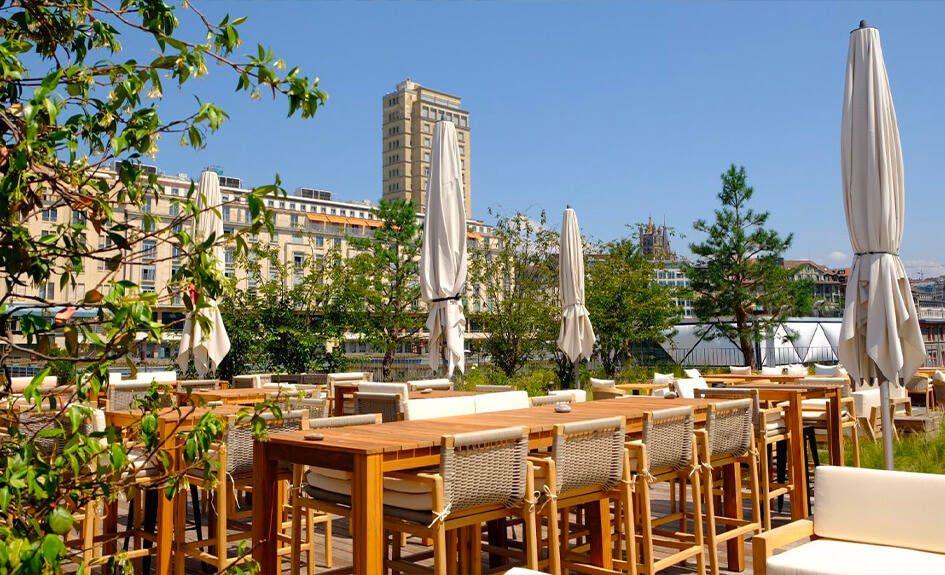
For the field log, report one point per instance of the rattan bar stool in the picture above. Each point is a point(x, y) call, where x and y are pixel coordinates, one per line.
point(483, 475)
point(389, 405)
point(588, 464)
point(234, 469)
point(728, 440)
point(770, 429)
point(304, 499)
point(666, 453)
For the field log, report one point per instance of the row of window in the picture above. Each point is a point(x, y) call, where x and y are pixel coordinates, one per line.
point(435, 114)
point(428, 128)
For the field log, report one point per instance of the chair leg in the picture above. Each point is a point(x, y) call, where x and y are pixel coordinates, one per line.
point(782, 450)
point(530, 537)
point(180, 530)
point(646, 527)
point(554, 535)
point(328, 557)
point(856, 447)
point(440, 551)
point(221, 503)
point(711, 533)
point(697, 522)
point(764, 470)
point(626, 501)
point(150, 525)
point(295, 564)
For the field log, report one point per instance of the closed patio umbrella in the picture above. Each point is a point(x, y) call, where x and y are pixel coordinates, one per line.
point(443, 258)
point(208, 348)
point(880, 335)
point(576, 337)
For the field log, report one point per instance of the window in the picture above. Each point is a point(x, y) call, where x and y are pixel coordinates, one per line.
point(337, 242)
point(319, 241)
point(226, 213)
point(173, 210)
point(78, 218)
point(461, 136)
point(275, 238)
point(148, 274)
point(146, 208)
point(291, 206)
point(48, 291)
point(462, 164)
point(282, 205)
point(176, 252)
point(426, 142)
point(426, 128)
point(148, 250)
point(462, 150)
point(80, 289)
point(270, 203)
point(298, 260)
point(426, 156)
point(334, 211)
point(229, 260)
point(50, 215)
point(294, 220)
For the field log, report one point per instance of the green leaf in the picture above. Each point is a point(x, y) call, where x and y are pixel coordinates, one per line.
point(60, 521)
point(53, 548)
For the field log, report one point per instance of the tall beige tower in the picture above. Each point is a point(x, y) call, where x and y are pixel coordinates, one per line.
point(410, 112)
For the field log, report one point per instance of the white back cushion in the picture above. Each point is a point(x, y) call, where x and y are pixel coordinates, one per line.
point(579, 395)
point(740, 370)
point(796, 369)
point(423, 383)
point(826, 370)
point(19, 384)
point(158, 376)
point(392, 388)
point(502, 401)
point(894, 508)
point(347, 376)
point(663, 378)
point(439, 407)
point(865, 400)
point(602, 383)
point(772, 371)
point(686, 387)
point(692, 373)
point(114, 376)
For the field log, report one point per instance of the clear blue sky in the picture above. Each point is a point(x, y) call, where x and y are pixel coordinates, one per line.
point(624, 110)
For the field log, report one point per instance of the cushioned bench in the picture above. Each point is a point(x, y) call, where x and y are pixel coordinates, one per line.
point(865, 522)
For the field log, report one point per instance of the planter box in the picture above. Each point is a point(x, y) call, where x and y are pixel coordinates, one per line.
point(925, 423)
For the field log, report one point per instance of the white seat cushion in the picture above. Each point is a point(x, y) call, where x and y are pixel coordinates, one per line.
point(831, 557)
point(158, 376)
point(662, 378)
point(772, 371)
point(404, 493)
point(797, 369)
point(740, 370)
point(895, 508)
point(692, 373)
point(439, 407)
point(391, 388)
point(502, 401)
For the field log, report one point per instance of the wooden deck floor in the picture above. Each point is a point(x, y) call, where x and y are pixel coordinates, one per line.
point(342, 545)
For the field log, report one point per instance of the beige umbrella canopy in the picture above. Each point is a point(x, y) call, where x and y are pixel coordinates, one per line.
point(208, 348)
point(880, 335)
point(576, 337)
point(443, 257)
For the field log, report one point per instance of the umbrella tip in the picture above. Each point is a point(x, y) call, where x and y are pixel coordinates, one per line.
point(864, 24)
point(569, 206)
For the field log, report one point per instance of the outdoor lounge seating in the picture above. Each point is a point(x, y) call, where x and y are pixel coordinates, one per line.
point(418, 384)
point(389, 405)
point(866, 521)
point(493, 388)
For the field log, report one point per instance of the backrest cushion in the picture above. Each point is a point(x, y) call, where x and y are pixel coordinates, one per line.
point(158, 376)
point(347, 376)
point(740, 370)
point(502, 401)
point(826, 370)
point(430, 383)
point(439, 407)
point(114, 376)
point(603, 383)
point(772, 371)
point(662, 378)
point(692, 373)
point(579, 395)
point(893, 508)
point(392, 388)
point(686, 387)
point(19, 384)
point(797, 369)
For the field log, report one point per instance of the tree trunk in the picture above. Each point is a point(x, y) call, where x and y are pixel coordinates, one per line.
point(388, 364)
point(748, 350)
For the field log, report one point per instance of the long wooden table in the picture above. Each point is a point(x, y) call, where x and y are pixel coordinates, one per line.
point(794, 395)
point(170, 422)
point(370, 451)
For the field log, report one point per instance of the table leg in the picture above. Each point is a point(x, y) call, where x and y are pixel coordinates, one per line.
point(597, 515)
point(835, 434)
point(266, 509)
point(733, 507)
point(498, 532)
point(165, 508)
point(367, 514)
point(798, 461)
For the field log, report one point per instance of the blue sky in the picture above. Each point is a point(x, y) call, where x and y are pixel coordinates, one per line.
point(623, 110)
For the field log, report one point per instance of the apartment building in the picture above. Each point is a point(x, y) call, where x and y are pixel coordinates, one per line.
point(409, 114)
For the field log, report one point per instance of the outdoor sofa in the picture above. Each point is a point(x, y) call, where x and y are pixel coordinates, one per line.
point(865, 522)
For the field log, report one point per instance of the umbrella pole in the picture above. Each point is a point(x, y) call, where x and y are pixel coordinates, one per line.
point(887, 424)
point(576, 383)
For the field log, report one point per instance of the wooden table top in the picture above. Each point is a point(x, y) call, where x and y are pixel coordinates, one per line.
point(643, 385)
point(727, 377)
point(426, 433)
point(225, 394)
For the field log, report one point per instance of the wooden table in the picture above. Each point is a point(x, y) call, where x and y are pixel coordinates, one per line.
point(170, 422)
point(793, 414)
point(343, 391)
point(371, 450)
point(726, 378)
point(642, 388)
point(237, 396)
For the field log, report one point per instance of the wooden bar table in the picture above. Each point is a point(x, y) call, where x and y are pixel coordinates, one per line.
point(170, 421)
point(642, 388)
point(236, 396)
point(728, 378)
point(794, 395)
point(371, 450)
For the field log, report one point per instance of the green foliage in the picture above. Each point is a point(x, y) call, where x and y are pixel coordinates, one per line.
point(387, 289)
point(63, 369)
point(738, 279)
point(534, 379)
point(77, 118)
point(626, 304)
point(515, 279)
point(802, 290)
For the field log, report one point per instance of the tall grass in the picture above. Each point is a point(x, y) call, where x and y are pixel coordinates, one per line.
point(919, 453)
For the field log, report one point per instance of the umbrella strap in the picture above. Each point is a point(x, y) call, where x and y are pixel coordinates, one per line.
point(876, 254)
point(451, 298)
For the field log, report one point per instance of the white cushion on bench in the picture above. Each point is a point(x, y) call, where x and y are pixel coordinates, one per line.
point(502, 401)
point(831, 557)
point(439, 407)
point(895, 508)
point(579, 395)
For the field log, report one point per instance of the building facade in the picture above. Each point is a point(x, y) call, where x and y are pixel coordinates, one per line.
point(826, 284)
point(409, 114)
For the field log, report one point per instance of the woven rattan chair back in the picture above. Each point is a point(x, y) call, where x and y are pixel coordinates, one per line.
point(389, 405)
point(737, 393)
point(484, 467)
point(667, 435)
point(540, 400)
point(607, 393)
point(29, 424)
point(588, 454)
point(185, 385)
point(345, 421)
point(122, 396)
point(239, 437)
point(729, 426)
point(317, 408)
point(493, 388)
